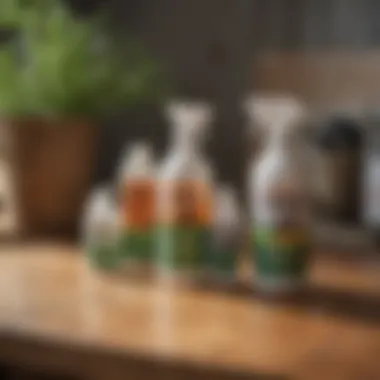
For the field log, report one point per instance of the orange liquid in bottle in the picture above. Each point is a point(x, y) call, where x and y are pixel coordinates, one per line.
point(139, 205)
point(138, 217)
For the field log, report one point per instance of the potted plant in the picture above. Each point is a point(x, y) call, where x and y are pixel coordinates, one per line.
point(59, 75)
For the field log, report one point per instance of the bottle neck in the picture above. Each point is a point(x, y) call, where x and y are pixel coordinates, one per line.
point(287, 146)
point(283, 140)
point(186, 143)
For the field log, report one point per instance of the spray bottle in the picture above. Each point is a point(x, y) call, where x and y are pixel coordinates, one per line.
point(137, 204)
point(185, 194)
point(100, 230)
point(280, 195)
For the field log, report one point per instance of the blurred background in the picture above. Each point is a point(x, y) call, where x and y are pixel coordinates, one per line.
point(323, 51)
point(81, 79)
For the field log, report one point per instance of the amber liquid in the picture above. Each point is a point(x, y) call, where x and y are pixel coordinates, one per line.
point(188, 204)
point(139, 204)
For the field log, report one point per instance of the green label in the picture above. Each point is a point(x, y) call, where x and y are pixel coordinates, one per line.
point(182, 247)
point(137, 245)
point(222, 258)
point(104, 257)
point(281, 252)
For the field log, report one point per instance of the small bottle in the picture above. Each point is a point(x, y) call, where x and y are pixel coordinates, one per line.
point(100, 230)
point(226, 234)
point(280, 190)
point(137, 204)
point(185, 195)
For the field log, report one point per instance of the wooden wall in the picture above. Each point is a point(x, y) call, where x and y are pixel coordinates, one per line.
point(214, 49)
point(325, 79)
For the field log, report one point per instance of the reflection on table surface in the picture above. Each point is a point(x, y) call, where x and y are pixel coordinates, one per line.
point(48, 294)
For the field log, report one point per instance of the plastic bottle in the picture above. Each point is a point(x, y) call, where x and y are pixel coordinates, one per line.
point(185, 195)
point(100, 230)
point(280, 190)
point(137, 204)
point(226, 234)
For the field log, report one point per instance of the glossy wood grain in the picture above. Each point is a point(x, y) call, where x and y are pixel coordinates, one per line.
point(55, 311)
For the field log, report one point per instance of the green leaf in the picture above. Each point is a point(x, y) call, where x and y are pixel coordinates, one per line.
point(61, 65)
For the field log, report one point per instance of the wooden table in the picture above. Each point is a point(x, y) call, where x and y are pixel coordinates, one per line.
point(57, 315)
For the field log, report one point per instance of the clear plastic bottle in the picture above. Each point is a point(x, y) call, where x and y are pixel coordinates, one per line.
point(185, 194)
point(280, 190)
point(137, 204)
point(226, 234)
point(100, 230)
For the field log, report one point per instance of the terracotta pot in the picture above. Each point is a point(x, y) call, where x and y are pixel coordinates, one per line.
point(54, 170)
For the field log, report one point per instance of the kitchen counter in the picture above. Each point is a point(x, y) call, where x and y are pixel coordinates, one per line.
point(59, 316)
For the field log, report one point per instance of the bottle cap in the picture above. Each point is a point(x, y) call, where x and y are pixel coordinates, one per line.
point(99, 210)
point(190, 116)
point(280, 113)
point(137, 161)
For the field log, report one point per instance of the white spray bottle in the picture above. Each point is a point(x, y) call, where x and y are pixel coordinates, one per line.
point(136, 183)
point(100, 230)
point(280, 195)
point(185, 194)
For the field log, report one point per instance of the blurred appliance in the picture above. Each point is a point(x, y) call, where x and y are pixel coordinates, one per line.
point(340, 140)
point(371, 176)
